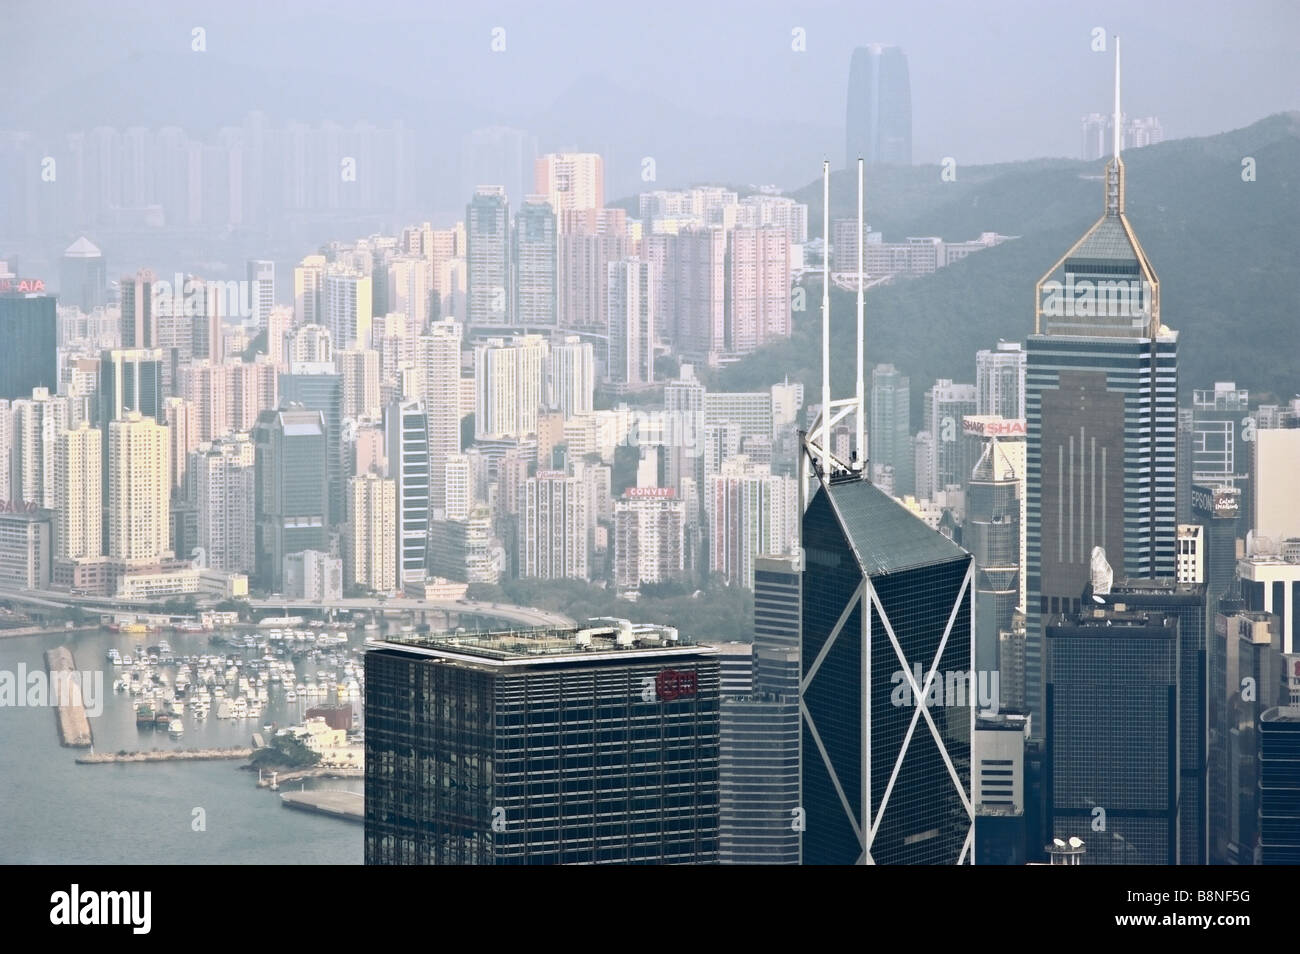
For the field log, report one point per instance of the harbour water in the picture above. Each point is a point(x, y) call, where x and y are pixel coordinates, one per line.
point(54, 811)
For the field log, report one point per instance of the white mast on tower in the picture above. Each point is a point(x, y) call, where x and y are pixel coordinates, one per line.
point(826, 316)
point(861, 444)
point(818, 439)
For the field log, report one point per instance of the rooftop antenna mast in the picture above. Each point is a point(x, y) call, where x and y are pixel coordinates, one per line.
point(860, 461)
point(826, 316)
point(817, 442)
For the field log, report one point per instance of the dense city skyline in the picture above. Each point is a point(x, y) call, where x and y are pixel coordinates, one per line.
point(555, 508)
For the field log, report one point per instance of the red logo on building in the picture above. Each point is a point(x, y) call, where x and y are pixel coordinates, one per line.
point(22, 285)
point(671, 684)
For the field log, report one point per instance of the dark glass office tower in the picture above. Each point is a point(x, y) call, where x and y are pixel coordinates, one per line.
point(1101, 395)
point(879, 123)
point(890, 436)
point(1223, 688)
point(596, 745)
point(760, 731)
point(1112, 734)
point(887, 658)
point(1279, 787)
point(992, 534)
point(1217, 508)
point(776, 626)
point(1254, 645)
point(28, 345)
point(1185, 602)
point(291, 490)
point(319, 389)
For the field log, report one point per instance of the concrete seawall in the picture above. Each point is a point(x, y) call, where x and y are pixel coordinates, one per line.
point(65, 696)
point(347, 805)
point(164, 755)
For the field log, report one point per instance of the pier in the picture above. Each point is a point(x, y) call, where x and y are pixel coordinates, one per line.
point(347, 805)
point(69, 707)
point(165, 755)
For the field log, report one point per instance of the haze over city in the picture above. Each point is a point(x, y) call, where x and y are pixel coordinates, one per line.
point(734, 434)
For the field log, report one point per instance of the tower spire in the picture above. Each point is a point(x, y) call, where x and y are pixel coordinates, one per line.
point(826, 318)
point(1119, 139)
point(1115, 168)
point(861, 445)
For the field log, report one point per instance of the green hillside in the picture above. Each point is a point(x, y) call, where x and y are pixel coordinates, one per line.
point(1227, 253)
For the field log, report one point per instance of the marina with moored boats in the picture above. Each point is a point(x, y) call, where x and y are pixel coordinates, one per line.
point(238, 676)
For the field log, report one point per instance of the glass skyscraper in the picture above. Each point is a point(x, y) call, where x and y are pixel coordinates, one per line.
point(878, 126)
point(1101, 421)
point(1217, 508)
point(291, 489)
point(760, 731)
point(318, 387)
point(1112, 734)
point(1186, 602)
point(888, 679)
point(1279, 789)
point(550, 746)
point(28, 344)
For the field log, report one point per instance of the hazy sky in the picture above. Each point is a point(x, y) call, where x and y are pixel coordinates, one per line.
point(993, 80)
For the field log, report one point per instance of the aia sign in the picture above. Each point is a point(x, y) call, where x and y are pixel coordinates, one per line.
point(671, 684)
point(22, 285)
